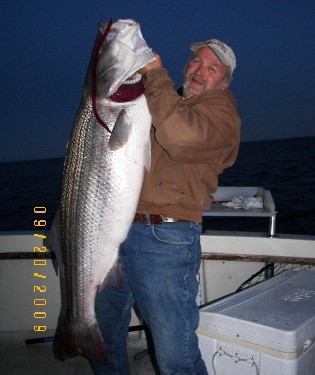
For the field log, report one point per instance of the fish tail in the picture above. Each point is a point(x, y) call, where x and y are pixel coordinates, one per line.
point(81, 340)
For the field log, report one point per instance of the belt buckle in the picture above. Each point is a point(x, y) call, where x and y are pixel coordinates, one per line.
point(154, 219)
point(159, 219)
point(169, 220)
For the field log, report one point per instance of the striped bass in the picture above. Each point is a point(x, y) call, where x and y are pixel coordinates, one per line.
point(107, 152)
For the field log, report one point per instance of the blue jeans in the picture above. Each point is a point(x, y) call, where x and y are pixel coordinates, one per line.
point(159, 265)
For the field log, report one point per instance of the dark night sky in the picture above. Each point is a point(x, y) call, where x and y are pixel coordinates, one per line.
point(46, 45)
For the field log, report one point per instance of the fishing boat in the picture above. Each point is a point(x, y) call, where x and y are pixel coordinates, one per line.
point(231, 261)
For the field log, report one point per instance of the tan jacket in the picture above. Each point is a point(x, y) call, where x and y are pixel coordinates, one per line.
point(193, 140)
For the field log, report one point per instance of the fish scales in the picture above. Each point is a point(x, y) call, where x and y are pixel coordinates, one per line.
point(102, 183)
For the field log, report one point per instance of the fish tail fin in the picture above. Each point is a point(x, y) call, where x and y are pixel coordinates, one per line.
point(81, 340)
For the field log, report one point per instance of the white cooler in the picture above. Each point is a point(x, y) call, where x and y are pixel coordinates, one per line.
point(267, 329)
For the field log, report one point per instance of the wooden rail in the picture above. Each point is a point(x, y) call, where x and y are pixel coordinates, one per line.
point(27, 255)
point(206, 256)
point(257, 258)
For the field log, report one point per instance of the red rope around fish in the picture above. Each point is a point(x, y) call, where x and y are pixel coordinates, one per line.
point(97, 53)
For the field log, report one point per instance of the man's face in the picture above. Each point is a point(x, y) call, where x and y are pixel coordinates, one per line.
point(204, 72)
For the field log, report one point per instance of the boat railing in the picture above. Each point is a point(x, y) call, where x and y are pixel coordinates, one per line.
point(224, 196)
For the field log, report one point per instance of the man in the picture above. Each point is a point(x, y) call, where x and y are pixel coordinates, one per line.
point(194, 138)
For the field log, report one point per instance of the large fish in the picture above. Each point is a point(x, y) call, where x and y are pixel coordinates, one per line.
point(108, 150)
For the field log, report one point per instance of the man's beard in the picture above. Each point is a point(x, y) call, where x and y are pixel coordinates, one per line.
point(188, 82)
point(203, 89)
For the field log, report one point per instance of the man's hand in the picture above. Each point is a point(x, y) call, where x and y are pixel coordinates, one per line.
point(157, 63)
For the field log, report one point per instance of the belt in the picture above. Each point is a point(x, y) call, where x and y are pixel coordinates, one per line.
point(154, 219)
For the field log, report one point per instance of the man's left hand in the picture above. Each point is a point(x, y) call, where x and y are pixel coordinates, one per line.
point(157, 63)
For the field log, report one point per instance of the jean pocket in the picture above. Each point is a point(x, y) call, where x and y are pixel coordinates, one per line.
point(174, 233)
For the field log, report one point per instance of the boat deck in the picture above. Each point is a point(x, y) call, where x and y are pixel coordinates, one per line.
point(17, 358)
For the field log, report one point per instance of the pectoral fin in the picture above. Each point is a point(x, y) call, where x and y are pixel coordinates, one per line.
point(121, 131)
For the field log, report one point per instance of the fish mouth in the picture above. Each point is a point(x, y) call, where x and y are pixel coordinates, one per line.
point(123, 43)
point(135, 78)
point(130, 90)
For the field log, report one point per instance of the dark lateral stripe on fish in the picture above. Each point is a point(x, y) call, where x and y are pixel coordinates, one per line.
point(128, 92)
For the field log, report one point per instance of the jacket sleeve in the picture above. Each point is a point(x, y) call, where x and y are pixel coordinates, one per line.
point(200, 129)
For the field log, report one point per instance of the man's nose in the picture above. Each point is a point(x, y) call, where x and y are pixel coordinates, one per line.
point(200, 70)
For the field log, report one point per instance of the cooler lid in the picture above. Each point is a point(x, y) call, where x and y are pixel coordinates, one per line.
point(278, 313)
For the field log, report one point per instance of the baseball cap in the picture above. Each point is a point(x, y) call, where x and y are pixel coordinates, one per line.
point(222, 51)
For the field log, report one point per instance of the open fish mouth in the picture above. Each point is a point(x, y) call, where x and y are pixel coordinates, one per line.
point(133, 79)
point(123, 55)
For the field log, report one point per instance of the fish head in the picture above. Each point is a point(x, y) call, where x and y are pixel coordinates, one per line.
point(123, 52)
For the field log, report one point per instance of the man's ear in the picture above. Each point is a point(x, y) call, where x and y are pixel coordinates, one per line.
point(225, 84)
